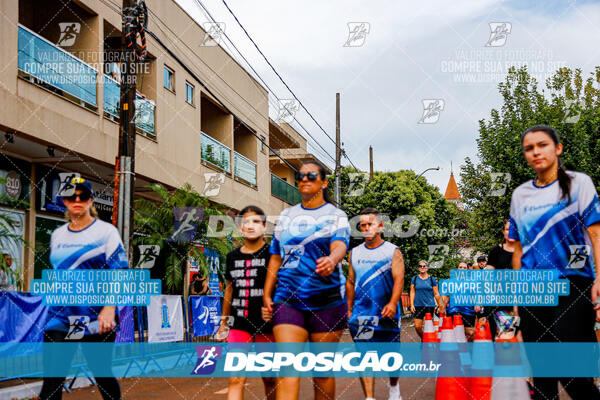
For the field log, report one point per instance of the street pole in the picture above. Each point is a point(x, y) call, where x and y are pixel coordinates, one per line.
point(338, 150)
point(126, 154)
point(370, 164)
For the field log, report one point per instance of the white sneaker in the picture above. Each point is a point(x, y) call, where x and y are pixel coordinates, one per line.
point(394, 392)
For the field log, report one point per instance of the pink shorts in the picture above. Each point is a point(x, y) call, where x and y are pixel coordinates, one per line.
point(239, 336)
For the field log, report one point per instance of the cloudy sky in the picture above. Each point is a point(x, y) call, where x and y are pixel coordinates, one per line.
point(413, 52)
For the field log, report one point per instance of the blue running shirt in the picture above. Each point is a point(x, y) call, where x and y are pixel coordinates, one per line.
point(373, 283)
point(302, 236)
point(552, 232)
point(98, 246)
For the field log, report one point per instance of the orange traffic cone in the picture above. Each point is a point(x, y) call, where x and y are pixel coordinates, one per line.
point(429, 334)
point(480, 387)
point(508, 362)
point(436, 327)
point(463, 347)
point(448, 387)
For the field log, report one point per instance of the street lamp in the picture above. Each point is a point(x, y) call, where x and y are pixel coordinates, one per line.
point(428, 169)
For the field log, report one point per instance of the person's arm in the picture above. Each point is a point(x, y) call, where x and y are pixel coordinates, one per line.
point(594, 233)
point(390, 309)
point(438, 299)
point(116, 259)
point(516, 262)
point(270, 280)
point(226, 311)
point(326, 265)
point(412, 298)
point(350, 286)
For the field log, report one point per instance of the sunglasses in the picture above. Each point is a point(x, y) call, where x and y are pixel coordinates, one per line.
point(312, 175)
point(422, 266)
point(84, 196)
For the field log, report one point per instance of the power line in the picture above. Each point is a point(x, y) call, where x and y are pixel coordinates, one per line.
point(199, 3)
point(282, 81)
point(188, 70)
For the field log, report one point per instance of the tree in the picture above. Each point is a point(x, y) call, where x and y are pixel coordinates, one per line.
point(569, 103)
point(155, 222)
point(415, 214)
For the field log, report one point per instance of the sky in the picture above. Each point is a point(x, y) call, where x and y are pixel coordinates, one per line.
point(412, 55)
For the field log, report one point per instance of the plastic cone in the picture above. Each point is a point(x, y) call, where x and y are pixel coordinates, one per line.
point(448, 387)
point(436, 327)
point(429, 334)
point(430, 347)
point(480, 387)
point(463, 347)
point(508, 361)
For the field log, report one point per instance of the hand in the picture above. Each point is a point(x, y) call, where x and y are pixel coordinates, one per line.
point(442, 309)
point(325, 266)
point(106, 320)
point(413, 309)
point(222, 332)
point(267, 308)
point(596, 298)
point(389, 310)
point(478, 309)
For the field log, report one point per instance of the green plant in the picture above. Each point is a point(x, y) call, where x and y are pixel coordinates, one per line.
point(155, 222)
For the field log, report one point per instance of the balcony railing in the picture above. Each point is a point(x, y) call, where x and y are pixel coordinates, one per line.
point(215, 152)
point(144, 108)
point(244, 168)
point(284, 191)
point(48, 63)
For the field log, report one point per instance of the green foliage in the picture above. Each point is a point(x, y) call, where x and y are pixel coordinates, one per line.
point(431, 218)
point(154, 220)
point(499, 143)
point(6, 226)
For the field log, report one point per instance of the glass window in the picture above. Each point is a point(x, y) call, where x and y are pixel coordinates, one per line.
point(262, 144)
point(189, 93)
point(168, 78)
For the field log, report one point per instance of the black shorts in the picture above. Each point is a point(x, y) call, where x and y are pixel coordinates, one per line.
point(421, 311)
point(468, 320)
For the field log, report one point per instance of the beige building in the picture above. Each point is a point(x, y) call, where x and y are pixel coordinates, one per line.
point(59, 112)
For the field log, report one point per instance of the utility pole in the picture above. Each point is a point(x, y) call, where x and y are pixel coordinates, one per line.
point(338, 150)
point(370, 164)
point(124, 166)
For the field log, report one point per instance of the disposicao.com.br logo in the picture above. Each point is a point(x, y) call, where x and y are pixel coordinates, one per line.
point(322, 362)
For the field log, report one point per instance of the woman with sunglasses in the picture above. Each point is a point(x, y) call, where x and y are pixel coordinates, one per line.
point(85, 242)
point(303, 289)
point(423, 297)
point(554, 218)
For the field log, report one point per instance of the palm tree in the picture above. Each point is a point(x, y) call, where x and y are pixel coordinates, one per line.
point(155, 222)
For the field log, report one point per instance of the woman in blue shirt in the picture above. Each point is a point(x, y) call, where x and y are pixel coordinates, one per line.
point(555, 222)
point(424, 295)
point(303, 288)
point(85, 242)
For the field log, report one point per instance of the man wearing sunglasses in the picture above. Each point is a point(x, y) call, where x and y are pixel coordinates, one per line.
point(85, 242)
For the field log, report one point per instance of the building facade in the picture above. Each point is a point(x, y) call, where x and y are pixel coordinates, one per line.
point(200, 117)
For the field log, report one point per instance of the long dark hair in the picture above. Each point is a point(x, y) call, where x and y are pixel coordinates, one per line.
point(564, 180)
point(323, 175)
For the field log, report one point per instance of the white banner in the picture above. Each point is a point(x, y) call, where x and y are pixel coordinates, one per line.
point(165, 319)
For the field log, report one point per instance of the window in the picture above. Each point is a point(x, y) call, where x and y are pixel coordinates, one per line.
point(262, 144)
point(169, 76)
point(189, 93)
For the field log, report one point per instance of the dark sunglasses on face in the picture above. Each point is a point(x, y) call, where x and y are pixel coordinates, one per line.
point(85, 196)
point(312, 175)
point(422, 266)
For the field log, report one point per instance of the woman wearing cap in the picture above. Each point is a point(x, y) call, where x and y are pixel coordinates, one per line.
point(303, 289)
point(552, 215)
point(424, 296)
point(85, 242)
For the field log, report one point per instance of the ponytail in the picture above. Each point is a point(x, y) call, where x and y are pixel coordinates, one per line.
point(564, 180)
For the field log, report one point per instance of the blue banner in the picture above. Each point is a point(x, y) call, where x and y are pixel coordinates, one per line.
point(22, 317)
point(206, 314)
point(126, 333)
